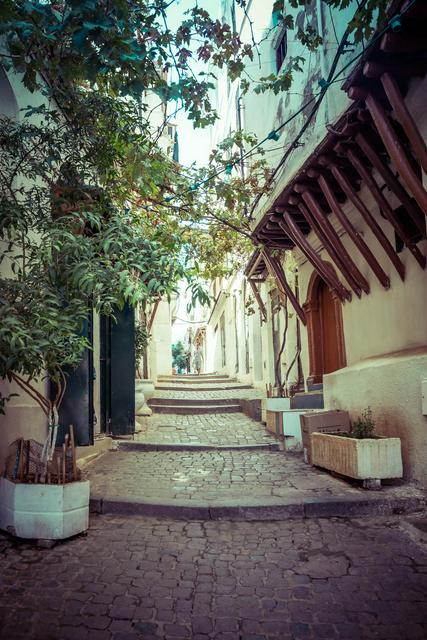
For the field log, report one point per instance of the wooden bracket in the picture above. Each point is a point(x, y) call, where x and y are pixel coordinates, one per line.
point(258, 298)
point(278, 273)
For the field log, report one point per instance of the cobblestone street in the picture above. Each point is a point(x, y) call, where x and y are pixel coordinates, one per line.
point(140, 579)
point(288, 577)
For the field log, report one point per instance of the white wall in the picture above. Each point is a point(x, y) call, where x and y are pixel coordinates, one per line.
point(160, 353)
point(24, 417)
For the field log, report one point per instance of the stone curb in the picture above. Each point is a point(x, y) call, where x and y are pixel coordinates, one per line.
point(184, 446)
point(191, 409)
point(159, 401)
point(198, 388)
point(273, 509)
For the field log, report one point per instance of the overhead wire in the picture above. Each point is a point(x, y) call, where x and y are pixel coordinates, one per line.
point(325, 84)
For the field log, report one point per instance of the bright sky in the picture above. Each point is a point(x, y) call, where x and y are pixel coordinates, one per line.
point(193, 143)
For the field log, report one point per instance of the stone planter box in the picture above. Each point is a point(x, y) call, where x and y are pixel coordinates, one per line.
point(44, 511)
point(372, 458)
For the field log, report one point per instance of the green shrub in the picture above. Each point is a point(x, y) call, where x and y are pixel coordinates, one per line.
point(364, 427)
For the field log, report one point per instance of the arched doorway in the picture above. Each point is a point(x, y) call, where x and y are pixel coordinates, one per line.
point(325, 329)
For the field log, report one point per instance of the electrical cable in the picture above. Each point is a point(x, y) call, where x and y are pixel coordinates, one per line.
point(325, 84)
point(333, 77)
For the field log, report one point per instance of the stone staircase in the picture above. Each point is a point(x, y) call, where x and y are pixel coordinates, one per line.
point(192, 394)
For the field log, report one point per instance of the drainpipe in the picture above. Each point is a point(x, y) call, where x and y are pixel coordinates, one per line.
point(323, 69)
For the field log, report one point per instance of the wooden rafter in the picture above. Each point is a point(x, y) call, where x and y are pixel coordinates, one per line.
point(333, 238)
point(353, 233)
point(329, 248)
point(392, 182)
point(292, 229)
point(405, 118)
point(396, 151)
point(385, 207)
point(277, 272)
point(346, 186)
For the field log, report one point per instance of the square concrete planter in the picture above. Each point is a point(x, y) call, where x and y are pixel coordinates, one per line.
point(371, 458)
point(44, 511)
point(277, 404)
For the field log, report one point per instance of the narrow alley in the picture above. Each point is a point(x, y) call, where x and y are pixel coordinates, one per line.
point(171, 557)
point(213, 336)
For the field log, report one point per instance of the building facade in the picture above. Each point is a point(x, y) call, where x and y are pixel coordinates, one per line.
point(349, 204)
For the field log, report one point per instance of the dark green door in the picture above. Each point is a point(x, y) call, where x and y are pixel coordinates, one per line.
point(77, 405)
point(118, 373)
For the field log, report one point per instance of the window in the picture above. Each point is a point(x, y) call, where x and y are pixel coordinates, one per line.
point(170, 132)
point(281, 50)
point(409, 226)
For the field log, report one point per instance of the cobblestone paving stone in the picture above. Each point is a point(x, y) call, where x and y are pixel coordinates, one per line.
point(215, 429)
point(212, 476)
point(144, 579)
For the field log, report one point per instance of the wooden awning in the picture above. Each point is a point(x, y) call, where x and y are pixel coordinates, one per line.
point(377, 133)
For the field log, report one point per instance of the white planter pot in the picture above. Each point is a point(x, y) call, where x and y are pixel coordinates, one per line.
point(141, 406)
point(277, 404)
point(44, 511)
point(147, 387)
point(375, 458)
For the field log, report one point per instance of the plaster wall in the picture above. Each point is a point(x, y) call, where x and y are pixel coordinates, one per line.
point(277, 108)
point(23, 416)
point(160, 359)
point(391, 386)
point(258, 335)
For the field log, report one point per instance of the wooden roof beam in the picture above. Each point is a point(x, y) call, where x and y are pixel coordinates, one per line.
point(335, 240)
point(330, 248)
point(406, 69)
point(353, 233)
point(392, 182)
point(292, 229)
point(401, 43)
point(396, 152)
point(384, 206)
point(405, 118)
point(369, 219)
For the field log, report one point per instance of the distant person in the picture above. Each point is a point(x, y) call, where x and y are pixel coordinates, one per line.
point(188, 362)
point(197, 361)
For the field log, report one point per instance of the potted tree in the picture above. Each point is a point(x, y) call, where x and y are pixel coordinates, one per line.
point(360, 454)
point(53, 276)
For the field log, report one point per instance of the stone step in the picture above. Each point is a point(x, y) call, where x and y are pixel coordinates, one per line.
point(314, 386)
point(195, 379)
point(267, 509)
point(157, 402)
point(190, 409)
point(193, 387)
point(260, 484)
point(132, 445)
point(308, 400)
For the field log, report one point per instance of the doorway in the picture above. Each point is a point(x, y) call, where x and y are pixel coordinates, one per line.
point(325, 329)
point(118, 372)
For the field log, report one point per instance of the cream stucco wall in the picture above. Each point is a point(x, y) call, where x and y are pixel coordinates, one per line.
point(160, 354)
point(391, 386)
point(24, 417)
